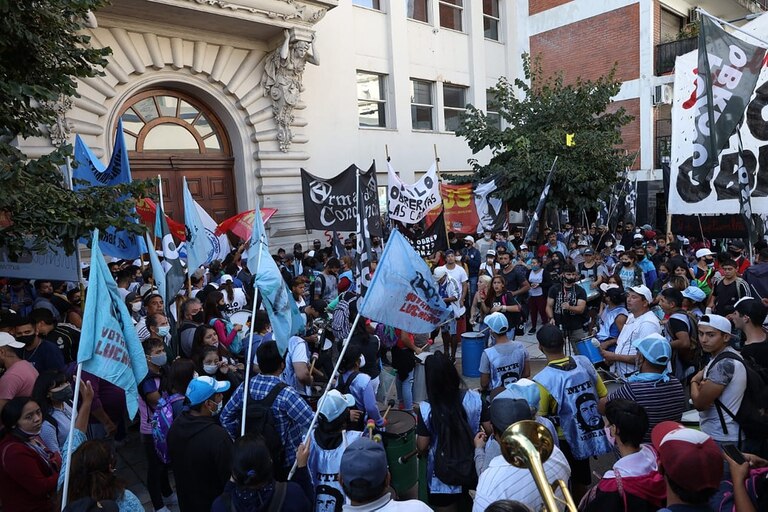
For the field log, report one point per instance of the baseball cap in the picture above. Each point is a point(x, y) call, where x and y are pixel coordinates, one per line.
point(608, 286)
point(202, 388)
point(647, 227)
point(497, 322)
point(524, 389)
point(718, 322)
point(469, 239)
point(9, 318)
point(226, 278)
point(335, 403)
point(523, 246)
point(449, 252)
point(490, 252)
point(619, 248)
point(508, 411)
point(311, 254)
point(6, 340)
point(637, 236)
point(694, 293)
point(363, 464)
point(681, 449)
point(737, 243)
point(701, 253)
point(583, 243)
point(642, 290)
point(440, 272)
point(589, 252)
point(655, 349)
point(316, 241)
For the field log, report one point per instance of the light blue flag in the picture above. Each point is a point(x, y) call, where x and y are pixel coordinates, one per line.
point(120, 244)
point(109, 347)
point(277, 297)
point(158, 272)
point(198, 246)
point(402, 293)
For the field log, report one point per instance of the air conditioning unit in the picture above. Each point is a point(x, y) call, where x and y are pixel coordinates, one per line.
point(663, 94)
point(693, 15)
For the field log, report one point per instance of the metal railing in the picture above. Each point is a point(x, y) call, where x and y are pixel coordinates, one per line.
point(667, 52)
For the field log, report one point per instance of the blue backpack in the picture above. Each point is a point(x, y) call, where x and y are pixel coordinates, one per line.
point(162, 419)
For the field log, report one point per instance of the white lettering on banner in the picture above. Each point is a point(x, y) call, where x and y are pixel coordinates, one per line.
point(719, 192)
point(410, 203)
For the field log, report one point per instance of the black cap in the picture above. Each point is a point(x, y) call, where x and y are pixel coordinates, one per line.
point(507, 411)
point(737, 243)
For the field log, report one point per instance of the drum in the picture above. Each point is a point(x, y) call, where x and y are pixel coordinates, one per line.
point(592, 293)
point(400, 445)
point(691, 419)
point(587, 348)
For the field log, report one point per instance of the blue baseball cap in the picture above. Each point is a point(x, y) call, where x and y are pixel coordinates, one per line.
point(335, 403)
point(497, 322)
point(525, 389)
point(694, 293)
point(655, 349)
point(364, 464)
point(202, 388)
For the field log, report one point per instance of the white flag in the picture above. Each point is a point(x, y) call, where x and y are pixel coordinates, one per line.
point(410, 203)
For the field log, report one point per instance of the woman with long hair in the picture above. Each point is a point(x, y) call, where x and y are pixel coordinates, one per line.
point(451, 412)
point(53, 393)
point(252, 487)
point(205, 336)
point(498, 299)
point(613, 315)
point(629, 271)
point(228, 333)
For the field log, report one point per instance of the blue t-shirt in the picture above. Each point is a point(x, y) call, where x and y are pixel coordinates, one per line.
point(45, 357)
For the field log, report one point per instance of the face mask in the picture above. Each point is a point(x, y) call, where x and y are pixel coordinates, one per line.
point(64, 394)
point(458, 258)
point(571, 280)
point(136, 307)
point(735, 254)
point(26, 339)
point(198, 317)
point(210, 369)
point(626, 263)
point(663, 275)
point(26, 435)
point(534, 267)
point(710, 264)
point(219, 405)
point(163, 330)
point(159, 360)
point(487, 236)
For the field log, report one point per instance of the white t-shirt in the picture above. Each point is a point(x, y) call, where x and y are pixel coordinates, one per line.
point(459, 274)
point(489, 269)
point(297, 353)
point(731, 374)
point(238, 300)
point(635, 329)
point(503, 481)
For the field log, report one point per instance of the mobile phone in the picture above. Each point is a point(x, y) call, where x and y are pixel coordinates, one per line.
point(734, 453)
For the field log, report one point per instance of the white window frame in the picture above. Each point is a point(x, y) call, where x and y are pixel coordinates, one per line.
point(496, 19)
point(383, 93)
point(432, 106)
point(489, 113)
point(447, 108)
point(373, 5)
point(453, 6)
point(427, 11)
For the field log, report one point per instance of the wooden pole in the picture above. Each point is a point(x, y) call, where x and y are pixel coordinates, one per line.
point(440, 181)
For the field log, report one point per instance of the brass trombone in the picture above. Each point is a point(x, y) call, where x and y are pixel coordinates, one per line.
point(527, 444)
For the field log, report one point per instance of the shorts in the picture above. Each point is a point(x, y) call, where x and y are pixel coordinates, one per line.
point(449, 328)
point(580, 470)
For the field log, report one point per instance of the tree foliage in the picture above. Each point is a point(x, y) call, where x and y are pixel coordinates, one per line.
point(539, 111)
point(42, 53)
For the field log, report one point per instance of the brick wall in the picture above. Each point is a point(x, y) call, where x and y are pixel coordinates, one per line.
point(589, 48)
point(536, 6)
point(631, 132)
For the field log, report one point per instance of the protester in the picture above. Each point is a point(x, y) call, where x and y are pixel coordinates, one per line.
point(539, 280)
point(498, 299)
point(253, 486)
point(693, 298)
point(153, 304)
point(54, 394)
point(506, 361)
point(41, 353)
point(756, 276)
point(193, 316)
point(728, 290)
point(748, 316)
point(504, 481)
point(352, 380)
point(450, 291)
point(326, 282)
point(660, 394)
point(629, 272)
point(570, 391)
point(612, 316)
point(230, 335)
point(365, 480)
point(196, 440)
point(451, 414)
point(566, 305)
point(403, 362)
point(476, 311)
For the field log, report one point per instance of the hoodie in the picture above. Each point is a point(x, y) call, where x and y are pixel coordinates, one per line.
point(299, 496)
point(756, 277)
point(201, 459)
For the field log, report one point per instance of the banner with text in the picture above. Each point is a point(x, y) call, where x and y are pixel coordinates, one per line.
point(411, 203)
point(460, 211)
point(427, 241)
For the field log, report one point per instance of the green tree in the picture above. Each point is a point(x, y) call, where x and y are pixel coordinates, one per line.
point(42, 53)
point(539, 112)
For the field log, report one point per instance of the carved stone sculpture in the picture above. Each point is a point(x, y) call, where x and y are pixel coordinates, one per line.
point(60, 131)
point(282, 81)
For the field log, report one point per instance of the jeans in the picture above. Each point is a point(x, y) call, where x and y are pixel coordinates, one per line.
point(472, 292)
point(157, 473)
point(405, 391)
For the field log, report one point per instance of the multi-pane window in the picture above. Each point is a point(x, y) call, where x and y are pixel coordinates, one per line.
point(417, 10)
point(492, 109)
point(454, 104)
point(450, 13)
point(371, 4)
point(491, 19)
point(371, 99)
point(422, 105)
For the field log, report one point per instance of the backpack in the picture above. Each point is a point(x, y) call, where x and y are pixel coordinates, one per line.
point(696, 353)
point(342, 387)
point(723, 499)
point(260, 420)
point(161, 422)
point(752, 416)
point(275, 504)
point(455, 452)
point(237, 342)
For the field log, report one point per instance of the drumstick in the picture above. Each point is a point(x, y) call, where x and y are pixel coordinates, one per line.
point(377, 438)
point(370, 426)
point(314, 360)
point(390, 404)
point(408, 456)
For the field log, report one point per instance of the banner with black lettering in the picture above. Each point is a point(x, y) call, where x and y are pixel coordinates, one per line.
point(410, 203)
point(715, 105)
point(331, 204)
point(427, 241)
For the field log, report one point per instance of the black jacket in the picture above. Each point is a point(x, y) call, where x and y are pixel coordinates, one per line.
point(201, 459)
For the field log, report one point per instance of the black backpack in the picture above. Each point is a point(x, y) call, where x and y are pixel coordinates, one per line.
point(342, 387)
point(259, 420)
point(455, 451)
point(752, 415)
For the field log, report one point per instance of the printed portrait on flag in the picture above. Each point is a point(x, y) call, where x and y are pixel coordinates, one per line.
point(698, 182)
point(491, 211)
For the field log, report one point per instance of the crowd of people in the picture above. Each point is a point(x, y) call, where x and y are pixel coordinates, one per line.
point(655, 358)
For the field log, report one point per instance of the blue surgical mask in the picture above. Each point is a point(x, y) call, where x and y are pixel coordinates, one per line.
point(163, 330)
point(159, 359)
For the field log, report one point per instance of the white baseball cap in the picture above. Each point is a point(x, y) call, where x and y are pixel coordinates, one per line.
point(440, 272)
point(718, 322)
point(702, 253)
point(644, 291)
point(6, 340)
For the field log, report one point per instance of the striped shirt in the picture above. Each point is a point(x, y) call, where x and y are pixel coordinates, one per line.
point(662, 401)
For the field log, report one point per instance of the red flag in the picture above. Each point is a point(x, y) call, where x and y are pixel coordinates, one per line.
point(147, 210)
point(242, 223)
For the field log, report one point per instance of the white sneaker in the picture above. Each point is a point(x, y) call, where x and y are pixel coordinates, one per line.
point(171, 500)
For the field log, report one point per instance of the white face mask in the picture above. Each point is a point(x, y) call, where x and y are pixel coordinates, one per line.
point(136, 306)
point(210, 369)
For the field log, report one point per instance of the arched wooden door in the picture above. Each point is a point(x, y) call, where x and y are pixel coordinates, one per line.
point(175, 135)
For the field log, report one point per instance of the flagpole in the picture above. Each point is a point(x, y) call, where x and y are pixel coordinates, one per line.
point(327, 388)
point(440, 180)
point(386, 151)
point(70, 436)
point(734, 27)
point(249, 361)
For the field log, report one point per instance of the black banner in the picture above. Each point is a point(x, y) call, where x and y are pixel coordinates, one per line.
point(331, 204)
point(427, 241)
